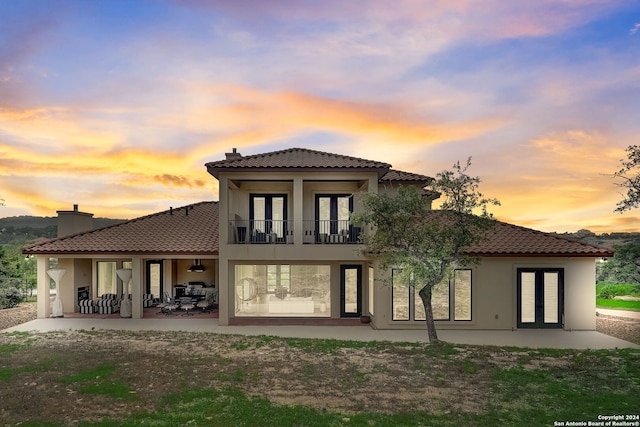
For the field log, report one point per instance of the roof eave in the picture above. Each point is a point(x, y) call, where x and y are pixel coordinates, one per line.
point(124, 253)
point(216, 171)
point(540, 255)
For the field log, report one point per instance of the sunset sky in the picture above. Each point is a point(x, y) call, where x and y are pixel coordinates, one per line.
point(116, 105)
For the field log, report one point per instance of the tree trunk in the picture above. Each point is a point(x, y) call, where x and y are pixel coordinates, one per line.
point(425, 296)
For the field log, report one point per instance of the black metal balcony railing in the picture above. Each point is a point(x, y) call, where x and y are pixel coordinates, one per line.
point(261, 231)
point(330, 232)
point(281, 232)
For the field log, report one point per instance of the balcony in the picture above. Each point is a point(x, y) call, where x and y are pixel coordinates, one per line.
point(280, 232)
point(330, 232)
point(261, 232)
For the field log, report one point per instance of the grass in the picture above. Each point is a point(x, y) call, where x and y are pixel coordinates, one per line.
point(233, 383)
point(97, 381)
point(606, 292)
point(20, 344)
point(618, 304)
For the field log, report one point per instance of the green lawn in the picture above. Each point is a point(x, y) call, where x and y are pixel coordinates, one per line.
point(606, 293)
point(617, 304)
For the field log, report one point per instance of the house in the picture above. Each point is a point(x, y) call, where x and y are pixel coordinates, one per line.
point(278, 247)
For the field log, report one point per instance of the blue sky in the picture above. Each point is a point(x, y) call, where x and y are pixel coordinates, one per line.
point(117, 105)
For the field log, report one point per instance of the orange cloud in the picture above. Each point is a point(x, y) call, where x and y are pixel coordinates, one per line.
point(254, 116)
point(559, 180)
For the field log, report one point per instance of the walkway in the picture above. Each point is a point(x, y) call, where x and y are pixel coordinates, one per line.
point(635, 315)
point(519, 338)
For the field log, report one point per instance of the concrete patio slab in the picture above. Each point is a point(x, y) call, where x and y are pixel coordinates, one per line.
point(519, 338)
point(635, 315)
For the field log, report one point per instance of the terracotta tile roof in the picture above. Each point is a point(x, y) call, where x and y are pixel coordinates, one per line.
point(295, 158)
point(400, 176)
point(176, 233)
point(188, 230)
point(512, 240)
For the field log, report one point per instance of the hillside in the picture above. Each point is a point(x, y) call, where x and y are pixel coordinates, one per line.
point(610, 240)
point(23, 229)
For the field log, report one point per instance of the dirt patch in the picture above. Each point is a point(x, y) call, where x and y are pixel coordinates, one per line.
point(23, 313)
point(153, 364)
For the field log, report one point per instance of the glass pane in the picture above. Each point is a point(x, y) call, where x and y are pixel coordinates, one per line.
point(277, 276)
point(418, 307)
point(350, 290)
point(400, 297)
point(527, 297)
point(283, 290)
point(550, 297)
point(440, 301)
point(107, 284)
point(462, 290)
point(324, 215)
point(272, 279)
point(154, 279)
point(277, 215)
point(259, 214)
point(343, 213)
point(371, 291)
point(285, 274)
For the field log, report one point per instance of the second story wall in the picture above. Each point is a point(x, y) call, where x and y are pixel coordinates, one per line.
point(290, 208)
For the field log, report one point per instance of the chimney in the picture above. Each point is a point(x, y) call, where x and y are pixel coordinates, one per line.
point(233, 155)
point(72, 222)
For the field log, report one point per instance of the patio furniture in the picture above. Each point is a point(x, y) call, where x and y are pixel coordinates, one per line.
point(186, 304)
point(148, 300)
point(168, 306)
point(87, 306)
point(171, 307)
point(107, 304)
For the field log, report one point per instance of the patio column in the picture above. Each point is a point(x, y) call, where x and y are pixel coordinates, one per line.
point(44, 295)
point(137, 288)
point(225, 293)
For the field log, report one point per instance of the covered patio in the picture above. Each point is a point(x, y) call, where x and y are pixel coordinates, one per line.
point(121, 270)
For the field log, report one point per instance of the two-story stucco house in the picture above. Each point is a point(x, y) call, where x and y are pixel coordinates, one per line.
point(278, 247)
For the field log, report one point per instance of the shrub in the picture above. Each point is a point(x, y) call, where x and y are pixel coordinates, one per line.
point(606, 293)
point(10, 297)
point(608, 290)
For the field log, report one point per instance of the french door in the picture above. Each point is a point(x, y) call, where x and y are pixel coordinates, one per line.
point(268, 214)
point(350, 290)
point(155, 279)
point(540, 298)
point(332, 213)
